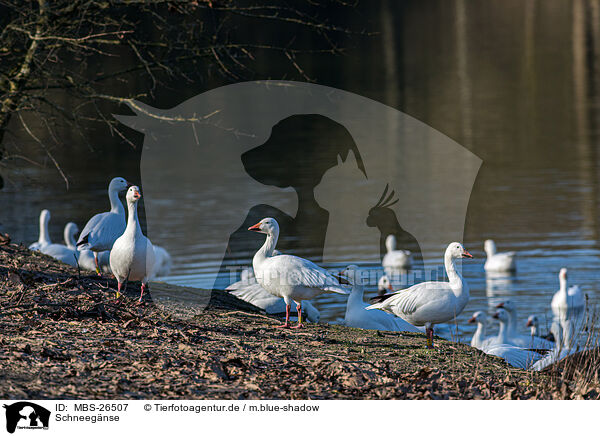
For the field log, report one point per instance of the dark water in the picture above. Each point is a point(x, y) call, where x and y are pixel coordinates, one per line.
point(515, 82)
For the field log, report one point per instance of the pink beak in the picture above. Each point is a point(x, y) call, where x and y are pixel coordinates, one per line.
point(255, 227)
point(467, 254)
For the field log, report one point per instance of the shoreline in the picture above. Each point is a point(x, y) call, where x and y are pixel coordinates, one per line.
point(65, 337)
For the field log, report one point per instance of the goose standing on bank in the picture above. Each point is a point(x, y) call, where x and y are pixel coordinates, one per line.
point(132, 255)
point(514, 337)
point(430, 303)
point(65, 253)
point(103, 229)
point(357, 316)
point(44, 237)
point(290, 277)
point(498, 262)
point(248, 289)
point(395, 259)
point(566, 298)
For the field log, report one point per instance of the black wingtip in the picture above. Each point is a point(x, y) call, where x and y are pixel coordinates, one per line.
point(83, 240)
point(380, 298)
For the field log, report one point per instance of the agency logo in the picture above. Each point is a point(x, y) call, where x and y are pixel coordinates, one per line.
point(25, 415)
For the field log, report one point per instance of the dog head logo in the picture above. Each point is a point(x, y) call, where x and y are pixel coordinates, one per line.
point(26, 415)
point(315, 158)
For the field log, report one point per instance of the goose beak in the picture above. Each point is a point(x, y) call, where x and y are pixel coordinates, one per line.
point(500, 305)
point(467, 254)
point(255, 228)
point(390, 287)
point(137, 195)
point(472, 320)
point(529, 323)
point(496, 315)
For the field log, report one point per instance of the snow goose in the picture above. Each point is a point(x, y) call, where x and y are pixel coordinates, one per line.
point(384, 285)
point(513, 337)
point(103, 229)
point(498, 262)
point(357, 316)
point(290, 277)
point(514, 356)
point(534, 326)
point(395, 259)
point(248, 289)
point(65, 253)
point(163, 262)
point(430, 303)
point(480, 339)
point(132, 255)
point(44, 237)
point(566, 299)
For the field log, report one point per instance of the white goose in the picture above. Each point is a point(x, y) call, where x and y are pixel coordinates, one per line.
point(65, 253)
point(566, 298)
point(357, 316)
point(248, 289)
point(430, 303)
point(132, 255)
point(163, 262)
point(87, 260)
point(534, 327)
point(480, 339)
point(103, 229)
point(514, 337)
point(514, 356)
point(384, 285)
point(290, 277)
point(498, 262)
point(44, 237)
point(395, 259)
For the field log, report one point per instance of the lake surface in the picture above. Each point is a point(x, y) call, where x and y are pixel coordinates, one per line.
point(515, 82)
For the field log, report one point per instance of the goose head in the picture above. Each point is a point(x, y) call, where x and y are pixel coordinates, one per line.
point(267, 226)
point(384, 285)
point(353, 274)
point(390, 243)
point(478, 317)
point(118, 184)
point(489, 247)
point(562, 278)
point(501, 315)
point(456, 250)
point(133, 194)
point(45, 216)
point(507, 305)
point(533, 323)
point(70, 231)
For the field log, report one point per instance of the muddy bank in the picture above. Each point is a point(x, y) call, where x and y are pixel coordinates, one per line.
point(63, 336)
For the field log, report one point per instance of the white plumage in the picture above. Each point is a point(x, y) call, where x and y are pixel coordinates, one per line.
point(513, 355)
point(566, 298)
point(44, 237)
point(163, 262)
point(103, 229)
point(431, 303)
point(498, 262)
point(248, 289)
point(289, 277)
point(357, 315)
point(65, 253)
point(480, 338)
point(513, 337)
point(132, 255)
point(395, 259)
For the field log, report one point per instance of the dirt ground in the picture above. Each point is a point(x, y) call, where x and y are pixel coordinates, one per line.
point(64, 336)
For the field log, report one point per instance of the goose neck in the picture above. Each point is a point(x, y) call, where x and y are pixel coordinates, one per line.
point(480, 333)
point(133, 223)
point(44, 238)
point(502, 333)
point(267, 249)
point(115, 203)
